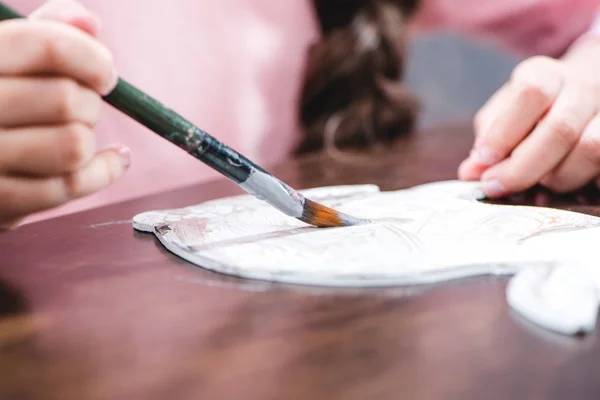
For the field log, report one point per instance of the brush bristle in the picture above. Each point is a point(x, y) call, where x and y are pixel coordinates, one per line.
point(318, 215)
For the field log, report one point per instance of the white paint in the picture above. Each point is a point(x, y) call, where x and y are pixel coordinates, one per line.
point(270, 190)
point(110, 223)
point(561, 298)
point(426, 234)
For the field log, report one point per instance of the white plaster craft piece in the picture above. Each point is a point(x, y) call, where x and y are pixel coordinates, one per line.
point(426, 234)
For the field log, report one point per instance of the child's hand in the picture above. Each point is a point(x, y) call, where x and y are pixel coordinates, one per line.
point(543, 126)
point(52, 73)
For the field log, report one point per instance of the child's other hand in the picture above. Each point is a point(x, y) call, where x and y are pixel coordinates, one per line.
point(543, 126)
point(52, 75)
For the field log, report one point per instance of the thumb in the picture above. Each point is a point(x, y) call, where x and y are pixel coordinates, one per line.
point(70, 12)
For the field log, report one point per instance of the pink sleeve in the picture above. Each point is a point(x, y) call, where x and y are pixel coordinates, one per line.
point(24, 7)
point(528, 27)
point(592, 34)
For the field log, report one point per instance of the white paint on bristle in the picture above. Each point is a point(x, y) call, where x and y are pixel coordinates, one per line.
point(270, 190)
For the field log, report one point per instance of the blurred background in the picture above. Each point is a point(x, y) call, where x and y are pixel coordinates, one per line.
point(454, 76)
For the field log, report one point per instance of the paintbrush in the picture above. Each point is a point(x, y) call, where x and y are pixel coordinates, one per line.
point(248, 175)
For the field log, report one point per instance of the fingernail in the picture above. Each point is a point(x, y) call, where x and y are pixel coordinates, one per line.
point(112, 83)
point(485, 156)
point(11, 225)
point(493, 188)
point(125, 156)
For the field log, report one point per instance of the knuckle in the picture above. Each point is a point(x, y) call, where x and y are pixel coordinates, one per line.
point(538, 79)
point(74, 145)
point(55, 50)
point(563, 130)
point(528, 90)
point(590, 149)
point(72, 186)
point(65, 97)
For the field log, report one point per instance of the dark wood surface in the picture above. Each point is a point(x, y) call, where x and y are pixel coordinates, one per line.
point(89, 309)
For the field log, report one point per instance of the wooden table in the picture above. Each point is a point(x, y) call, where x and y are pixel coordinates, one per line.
point(89, 309)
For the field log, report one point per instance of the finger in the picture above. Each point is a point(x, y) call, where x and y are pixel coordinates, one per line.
point(534, 86)
point(547, 146)
point(469, 170)
point(36, 101)
point(48, 150)
point(22, 196)
point(70, 12)
point(487, 114)
point(582, 165)
point(48, 47)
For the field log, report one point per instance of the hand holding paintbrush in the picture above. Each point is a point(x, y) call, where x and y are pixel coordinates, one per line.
point(223, 159)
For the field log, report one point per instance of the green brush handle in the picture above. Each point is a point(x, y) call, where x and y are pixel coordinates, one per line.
point(7, 13)
point(179, 131)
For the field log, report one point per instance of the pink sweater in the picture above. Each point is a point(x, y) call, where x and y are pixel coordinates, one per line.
point(234, 68)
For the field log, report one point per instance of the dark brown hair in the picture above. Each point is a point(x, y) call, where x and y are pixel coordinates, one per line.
point(353, 95)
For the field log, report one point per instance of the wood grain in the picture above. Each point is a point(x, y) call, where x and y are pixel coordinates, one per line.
point(89, 309)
